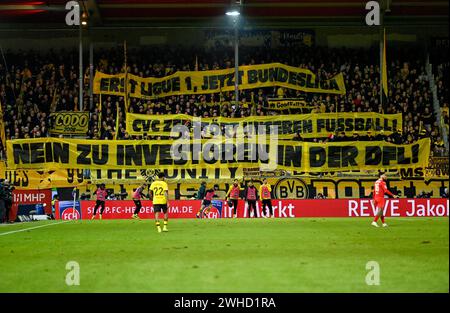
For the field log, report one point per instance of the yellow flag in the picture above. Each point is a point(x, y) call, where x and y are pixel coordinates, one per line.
point(117, 121)
point(2, 129)
point(100, 117)
point(127, 95)
point(384, 69)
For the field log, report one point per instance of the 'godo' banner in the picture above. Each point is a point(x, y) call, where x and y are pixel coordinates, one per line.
point(308, 125)
point(73, 123)
point(204, 82)
point(56, 153)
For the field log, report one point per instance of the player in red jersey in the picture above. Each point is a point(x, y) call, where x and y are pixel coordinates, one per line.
point(207, 204)
point(101, 194)
point(379, 191)
point(233, 196)
point(137, 196)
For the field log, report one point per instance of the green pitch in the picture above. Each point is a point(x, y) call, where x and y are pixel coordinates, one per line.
point(229, 255)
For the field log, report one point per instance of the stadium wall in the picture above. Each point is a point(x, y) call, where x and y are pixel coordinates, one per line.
point(349, 36)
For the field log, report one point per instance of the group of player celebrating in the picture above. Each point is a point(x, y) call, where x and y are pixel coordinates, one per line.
point(158, 193)
point(250, 193)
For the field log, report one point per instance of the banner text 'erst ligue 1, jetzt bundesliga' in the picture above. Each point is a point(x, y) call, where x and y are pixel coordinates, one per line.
point(216, 81)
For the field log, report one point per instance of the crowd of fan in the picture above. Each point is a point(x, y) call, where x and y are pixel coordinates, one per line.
point(441, 70)
point(442, 83)
point(36, 84)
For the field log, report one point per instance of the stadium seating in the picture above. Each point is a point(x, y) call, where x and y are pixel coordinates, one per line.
point(36, 84)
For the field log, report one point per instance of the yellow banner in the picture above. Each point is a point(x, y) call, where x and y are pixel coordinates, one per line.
point(204, 82)
point(74, 123)
point(60, 153)
point(308, 125)
point(291, 187)
point(310, 187)
point(437, 167)
point(42, 179)
point(284, 104)
point(183, 184)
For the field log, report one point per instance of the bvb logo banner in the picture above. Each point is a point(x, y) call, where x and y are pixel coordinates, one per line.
point(204, 82)
point(290, 188)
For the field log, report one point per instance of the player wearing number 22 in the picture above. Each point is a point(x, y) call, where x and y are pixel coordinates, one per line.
point(380, 190)
point(159, 193)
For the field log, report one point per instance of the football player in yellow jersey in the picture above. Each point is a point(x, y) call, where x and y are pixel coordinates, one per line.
point(159, 193)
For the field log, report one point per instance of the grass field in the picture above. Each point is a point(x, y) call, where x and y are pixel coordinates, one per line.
point(227, 255)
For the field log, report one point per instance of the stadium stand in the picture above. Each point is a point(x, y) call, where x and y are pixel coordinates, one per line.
point(37, 84)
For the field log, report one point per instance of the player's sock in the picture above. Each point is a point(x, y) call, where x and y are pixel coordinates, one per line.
point(158, 226)
point(165, 226)
point(382, 219)
point(376, 219)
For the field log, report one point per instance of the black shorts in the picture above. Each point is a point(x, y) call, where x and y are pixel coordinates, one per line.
point(206, 202)
point(234, 203)
point(160, 207)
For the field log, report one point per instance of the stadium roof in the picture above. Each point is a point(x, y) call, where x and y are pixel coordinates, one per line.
point(200, 12)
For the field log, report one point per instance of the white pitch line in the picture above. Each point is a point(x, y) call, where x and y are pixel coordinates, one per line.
point(30, 228)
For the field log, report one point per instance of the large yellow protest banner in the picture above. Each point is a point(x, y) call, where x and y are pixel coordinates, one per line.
point(308, 125)
point(205, 82)
point(57, 153)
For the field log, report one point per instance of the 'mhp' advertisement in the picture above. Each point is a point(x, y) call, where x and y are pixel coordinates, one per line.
point(31, 196)
point(66, 210)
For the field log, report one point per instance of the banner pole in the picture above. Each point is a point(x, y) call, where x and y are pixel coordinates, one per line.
point(74, 192)
point(236, 61)
point(80, 100)
point(100, 117)
point(126, 76)
point(381, 60)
